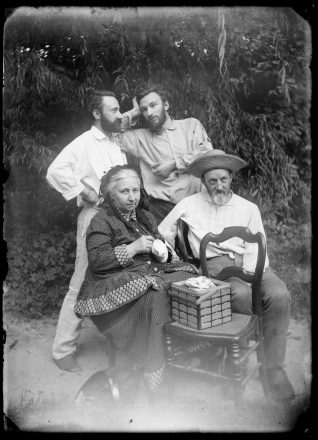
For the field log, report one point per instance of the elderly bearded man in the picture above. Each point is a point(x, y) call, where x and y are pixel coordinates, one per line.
point(164, 149)
point(213, 209)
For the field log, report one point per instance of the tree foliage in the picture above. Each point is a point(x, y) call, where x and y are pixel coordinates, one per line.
point(40, 267)
point(243, 72)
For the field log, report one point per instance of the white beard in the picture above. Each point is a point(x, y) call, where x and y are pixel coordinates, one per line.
point(220, 198)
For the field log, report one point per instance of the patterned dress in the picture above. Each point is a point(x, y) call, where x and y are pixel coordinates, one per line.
point(127, 298)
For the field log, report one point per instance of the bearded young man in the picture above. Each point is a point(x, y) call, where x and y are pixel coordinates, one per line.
point(76, 172)
point(164, 149)
point(216, 207)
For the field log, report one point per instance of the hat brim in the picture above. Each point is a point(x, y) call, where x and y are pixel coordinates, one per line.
point(203, 164)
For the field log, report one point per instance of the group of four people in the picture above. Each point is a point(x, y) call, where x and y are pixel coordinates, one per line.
point(119, 280)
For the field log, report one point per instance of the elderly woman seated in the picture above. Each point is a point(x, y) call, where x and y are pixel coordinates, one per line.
point(128, 275)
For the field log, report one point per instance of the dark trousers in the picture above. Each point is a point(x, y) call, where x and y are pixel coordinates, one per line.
point(160, 208)
point(275, 305)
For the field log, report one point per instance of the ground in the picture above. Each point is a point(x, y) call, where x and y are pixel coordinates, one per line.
point(40, 397)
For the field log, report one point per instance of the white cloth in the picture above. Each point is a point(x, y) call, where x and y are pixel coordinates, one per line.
point(83, 162)
point(160, 250)
point(202, 216)
point(69, 324)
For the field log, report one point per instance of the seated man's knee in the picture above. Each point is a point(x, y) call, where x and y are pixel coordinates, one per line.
point(274, 292)
point(282, 294)
point(241, 296)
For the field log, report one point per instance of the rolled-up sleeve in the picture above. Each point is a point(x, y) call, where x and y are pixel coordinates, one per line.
point(62, 175)
point(129, 142)
point(127, 121)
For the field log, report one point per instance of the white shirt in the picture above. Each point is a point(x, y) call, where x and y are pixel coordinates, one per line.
point(202, 216)
point(84, 161)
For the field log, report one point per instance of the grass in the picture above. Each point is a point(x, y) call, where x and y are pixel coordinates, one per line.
point(290, 257)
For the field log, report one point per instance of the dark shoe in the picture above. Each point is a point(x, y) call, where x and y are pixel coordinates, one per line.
point(68, 363)
point(280, 388)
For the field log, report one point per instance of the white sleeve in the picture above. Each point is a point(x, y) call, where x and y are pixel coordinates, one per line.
point(130, 142)
point(62, 174)
point(168, 226)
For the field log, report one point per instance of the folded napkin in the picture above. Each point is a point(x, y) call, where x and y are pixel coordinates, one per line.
point(199, 282)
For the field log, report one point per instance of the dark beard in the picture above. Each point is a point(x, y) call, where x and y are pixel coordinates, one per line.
point(157, 125)
point(109, 127)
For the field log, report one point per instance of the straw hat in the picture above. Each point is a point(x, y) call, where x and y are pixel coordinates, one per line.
point(215, 159)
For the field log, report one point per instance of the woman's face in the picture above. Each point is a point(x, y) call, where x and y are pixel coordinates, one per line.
point(125, 190)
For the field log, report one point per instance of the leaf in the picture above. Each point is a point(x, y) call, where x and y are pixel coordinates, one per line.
point(283, 77)
point(221, 46)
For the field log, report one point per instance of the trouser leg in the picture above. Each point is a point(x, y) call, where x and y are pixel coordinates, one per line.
point(276, 313)
point(68, 328)
point(69, 324)
point(275, 305)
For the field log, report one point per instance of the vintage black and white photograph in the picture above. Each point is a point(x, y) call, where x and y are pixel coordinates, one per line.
point(157, 219)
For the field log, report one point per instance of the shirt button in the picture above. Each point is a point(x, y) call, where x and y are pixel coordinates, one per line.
point(155, 269)
point(137, 230)
point(148, 262)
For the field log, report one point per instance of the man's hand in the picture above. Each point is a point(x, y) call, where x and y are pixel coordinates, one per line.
point(89, 195)
point(135, 112)
point(163, 169)
point(135, 103)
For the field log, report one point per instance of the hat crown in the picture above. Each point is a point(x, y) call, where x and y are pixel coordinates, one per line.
point(217, 152)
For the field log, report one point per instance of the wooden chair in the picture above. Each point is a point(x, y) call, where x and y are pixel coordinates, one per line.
point(182, 246)
point(235, 334)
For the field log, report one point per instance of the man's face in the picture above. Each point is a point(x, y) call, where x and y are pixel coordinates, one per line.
point(110, 116)
point(218, 184)
point(153, 110)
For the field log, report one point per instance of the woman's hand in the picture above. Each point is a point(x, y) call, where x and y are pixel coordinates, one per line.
point(142, 244)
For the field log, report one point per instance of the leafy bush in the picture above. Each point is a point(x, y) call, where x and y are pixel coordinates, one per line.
point(289, 253)
point(39, 270)
point(243, 72)
point(29, 200)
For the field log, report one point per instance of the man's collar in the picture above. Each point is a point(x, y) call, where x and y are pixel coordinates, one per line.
point(99, 134)
point(208, 198)
point(172, 127)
